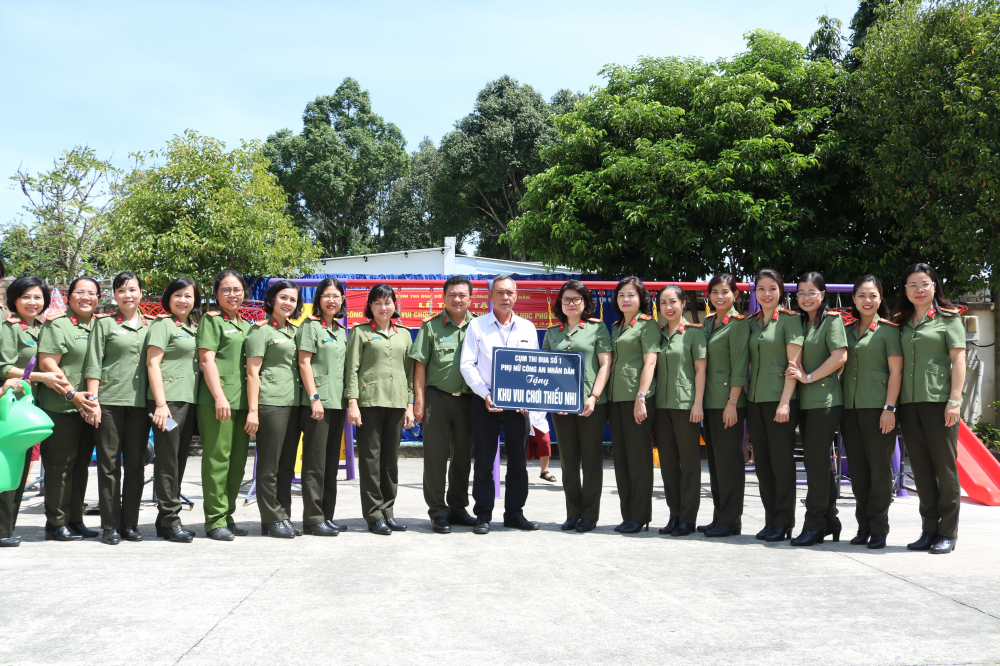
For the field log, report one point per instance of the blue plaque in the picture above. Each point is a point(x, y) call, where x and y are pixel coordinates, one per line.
point(542, 381)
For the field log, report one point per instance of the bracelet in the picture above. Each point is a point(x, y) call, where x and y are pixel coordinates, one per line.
point(159, 405)
point(954, 402)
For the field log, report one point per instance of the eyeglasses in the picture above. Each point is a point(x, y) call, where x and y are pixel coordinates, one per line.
point(85, 294)
point(923, 285)
point(231, 291)
point(572, 301)
point(330, 297)
point(812, 294)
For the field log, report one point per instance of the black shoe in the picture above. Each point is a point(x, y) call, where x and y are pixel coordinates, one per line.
point(164, 532)
point(131, 534)
point(395, 526)
point(925, 542)
point(778, 533)
point(295, 531)
point(683, 529)
point(379, 527)
point(584, 525)
point(441, 525)
point(222, 533)
point(82, 530)
point(877, 542)
point(462, 519)
point(570, 524)
point(764, 532)
point(723, 531)
point(833, 532)
point(177, 534)
point(619, 526)
point(862, 538)
point(111, 537)
point(669, 527)
point(339, 528)
point(10, 542)
point(320, 529)
point(633, 528)
point(943, 545)
point(519, 522)
point(808, 538)
point(482, 527)
point(236, 530)
point(61, 533)
point(277, 529)
point(705, 528)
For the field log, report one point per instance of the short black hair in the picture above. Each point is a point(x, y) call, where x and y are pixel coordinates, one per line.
point(272, 293)
point(379, 292)
point(176, 285)
point(317, 298)
point(122, 279)
point(817, 279)
point(633, 281)
point(726, 279)
point(588, 300)
point(229, 272)
point(22, 284)
point(883, 308)
point(457, 279)
point(774, 275)
point(674, 288)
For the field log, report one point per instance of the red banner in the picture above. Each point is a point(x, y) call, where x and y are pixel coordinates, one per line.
point(416, 304)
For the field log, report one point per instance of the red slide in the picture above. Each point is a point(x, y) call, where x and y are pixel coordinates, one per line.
point(978, 470)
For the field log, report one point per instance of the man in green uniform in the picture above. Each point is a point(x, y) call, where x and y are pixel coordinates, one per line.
point(444, 407)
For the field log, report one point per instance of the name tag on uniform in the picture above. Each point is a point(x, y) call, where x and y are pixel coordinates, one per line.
point(30, 342)
point(279, 341)
point(329, 340)
point(183, 335)
point(80, 337)
point(446, 340)
point(234, 330)
point(117, 332)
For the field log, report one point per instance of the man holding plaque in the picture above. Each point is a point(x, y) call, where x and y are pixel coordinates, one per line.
point(499, 328)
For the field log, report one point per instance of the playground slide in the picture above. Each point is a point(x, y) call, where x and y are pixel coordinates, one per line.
point(978, 470)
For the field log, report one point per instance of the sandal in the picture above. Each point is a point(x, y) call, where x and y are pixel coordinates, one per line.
point(547, 476)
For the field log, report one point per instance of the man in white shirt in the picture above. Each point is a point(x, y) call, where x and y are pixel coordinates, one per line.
point(499, 328)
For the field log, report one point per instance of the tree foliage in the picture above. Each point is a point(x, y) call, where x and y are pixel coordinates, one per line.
point(195, 209)
point(828, 40)
point(411, 210)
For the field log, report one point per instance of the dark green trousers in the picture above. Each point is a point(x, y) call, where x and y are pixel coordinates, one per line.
point(378, 460)
point(726, 469)
point(447, 433)
point(172, 450)
point(224, 453)
point(277, 446)
point(869, 460)
point(819, 427)
point(320, 463)
point(66, 458)
point(10, 501)
point(122, 438)
point(581, 442)
point(933, 451)
point(774, 459)
point(678, 442)
point(632, 451)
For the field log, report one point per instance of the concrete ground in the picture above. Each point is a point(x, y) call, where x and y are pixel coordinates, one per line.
point(509, 597)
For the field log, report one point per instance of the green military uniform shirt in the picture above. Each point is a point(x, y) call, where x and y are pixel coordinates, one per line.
point(18, 345)
point(280, 385)
point(675, 365)
point(590, 337)
point(225, 335)
point(728, 358)
point(768, 353)
point(822, 338)
point(629, 341)
point(379, 370)
point(439, 347)
point(866, 373)
point(328, 345)
point(926, 355)
point(116, 355)
point(179, 363)
point(65, 334)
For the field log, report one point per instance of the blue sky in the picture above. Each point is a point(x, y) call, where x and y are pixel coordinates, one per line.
point(127, 76)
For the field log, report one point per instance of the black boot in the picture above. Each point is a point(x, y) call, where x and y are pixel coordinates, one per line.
point(808, 538)
point(861, 538)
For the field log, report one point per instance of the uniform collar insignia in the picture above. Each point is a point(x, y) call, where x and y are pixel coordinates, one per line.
point(583, 324)
point(178, 321)
point(725, 320)
point(680, 328)
point(561, 327)
point(634, 319)
point(930, 313)
point(874, 323)
point(775, 315)
point(75, 320)
point(119, 319)
point(225, 316)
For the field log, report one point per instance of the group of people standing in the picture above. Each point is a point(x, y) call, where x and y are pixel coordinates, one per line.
point(659, 381)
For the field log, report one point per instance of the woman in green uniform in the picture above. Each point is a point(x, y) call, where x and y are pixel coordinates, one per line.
point(27, 299)
point(273, 399)
point(680, 395)
point(821, 404)
point(116, 373)
point(635, 341)
point(581, 436)
point(172, 364)
point(322, 350)
point(222, 405)
point(379, 381)
point(871, 379)
point(772, 407)
point(933, 342)
point(62, 348)
point(728, 336)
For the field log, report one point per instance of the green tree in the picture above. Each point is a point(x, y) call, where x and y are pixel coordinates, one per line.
point(62, 239)
point(195, 209)
point(411, 215)
point(485, 160)
point(338, 173)
point(868, 13)
point(828, 40)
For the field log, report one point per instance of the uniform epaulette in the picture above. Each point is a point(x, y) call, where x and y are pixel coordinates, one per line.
point(596, 320)
point(428, 318)
point(314, 318)
point(956, 310)
point(102, 315)
point(645, 316)
point(13, 320)
point(555, 326)
point(834, 313)
point(164, 316)
point(260, 323)
point(56, 316)
point(737, 315)
point(711, 315)
point(787, 311)
point(361, 323)
point(888, 321)
point(213, 313)
point(696, 325)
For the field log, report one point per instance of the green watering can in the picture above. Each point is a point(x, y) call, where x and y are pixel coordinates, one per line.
point(22, 425)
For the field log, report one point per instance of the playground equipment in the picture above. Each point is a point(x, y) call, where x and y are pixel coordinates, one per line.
point(978, 470)
point(22, 425)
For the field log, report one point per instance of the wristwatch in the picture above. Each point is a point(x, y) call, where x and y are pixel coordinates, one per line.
point(809, 378)
point(314, 396)
point(889, 408)
point(640, 395)
point(69, 395)
point(734, 400)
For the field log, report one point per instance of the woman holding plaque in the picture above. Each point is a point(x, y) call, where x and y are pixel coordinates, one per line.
point(581, 436)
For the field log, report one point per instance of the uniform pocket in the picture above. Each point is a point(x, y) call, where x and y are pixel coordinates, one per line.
point(880, 377)
point(322, 386)
point(368, 392)
point(938, 380)
point(445, 356)
point(779, 370)
point(232, 386)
